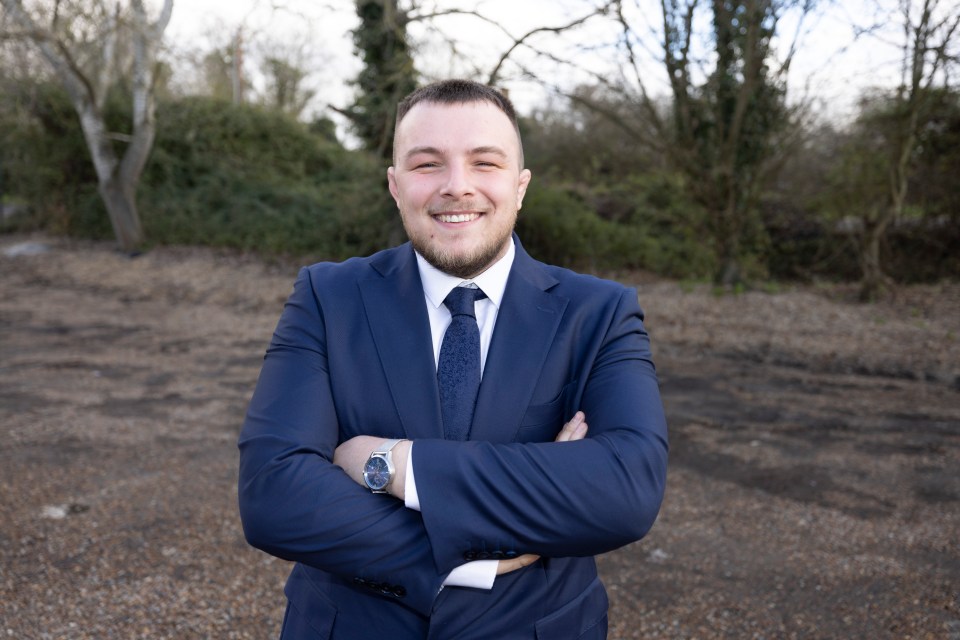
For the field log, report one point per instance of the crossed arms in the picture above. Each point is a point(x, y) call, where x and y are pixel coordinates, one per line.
point(352, 454)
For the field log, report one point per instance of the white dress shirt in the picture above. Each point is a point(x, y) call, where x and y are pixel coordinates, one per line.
point(479, 574)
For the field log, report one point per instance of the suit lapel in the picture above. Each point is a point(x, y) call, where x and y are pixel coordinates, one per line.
point(398, 319)
point(526, 325)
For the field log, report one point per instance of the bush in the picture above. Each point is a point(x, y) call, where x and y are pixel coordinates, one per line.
point(913, 251)
point(643, 222)
point(664, 226)
point(219, 174)
point(558, 228)
point(43, 156)
point(255, 179)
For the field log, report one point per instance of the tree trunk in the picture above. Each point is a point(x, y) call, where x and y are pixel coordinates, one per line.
point(117, 189)
point(728, 228)
point(729, 271)
point(120, 201)
point(874, 281)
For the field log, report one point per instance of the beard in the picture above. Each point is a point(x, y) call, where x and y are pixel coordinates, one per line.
point(463, 265)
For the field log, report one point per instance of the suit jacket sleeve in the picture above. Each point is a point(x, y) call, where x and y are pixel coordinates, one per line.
point(294, 502)
point(559, 499)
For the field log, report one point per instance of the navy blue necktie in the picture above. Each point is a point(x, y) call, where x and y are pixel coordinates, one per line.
point(458, 370)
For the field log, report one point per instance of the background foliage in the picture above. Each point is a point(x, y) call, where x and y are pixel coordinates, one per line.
point(621, 181)
point(255, 178)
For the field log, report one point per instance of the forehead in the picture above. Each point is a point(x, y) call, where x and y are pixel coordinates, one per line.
point(452, 127)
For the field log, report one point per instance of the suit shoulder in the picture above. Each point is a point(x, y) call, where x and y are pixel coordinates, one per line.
point(592, 295)
point(333, 274)
point(584, 284)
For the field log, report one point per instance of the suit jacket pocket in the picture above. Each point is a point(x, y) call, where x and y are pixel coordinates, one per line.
point(584, 618)
point(310, 615)
point(542, 422)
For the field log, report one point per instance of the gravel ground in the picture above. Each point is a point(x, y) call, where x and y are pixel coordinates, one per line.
point(813, 492)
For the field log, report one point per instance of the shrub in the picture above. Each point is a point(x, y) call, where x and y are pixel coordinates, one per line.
point(255, 179)
point(641, 223)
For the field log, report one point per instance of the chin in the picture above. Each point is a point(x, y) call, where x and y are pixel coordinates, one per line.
point(464, 263)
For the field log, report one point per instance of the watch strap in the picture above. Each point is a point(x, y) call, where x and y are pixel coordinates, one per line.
point(386, 446)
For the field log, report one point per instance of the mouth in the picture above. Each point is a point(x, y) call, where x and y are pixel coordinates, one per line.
point(456, 216)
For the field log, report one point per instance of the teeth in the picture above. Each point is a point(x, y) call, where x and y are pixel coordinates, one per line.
point(457, 217)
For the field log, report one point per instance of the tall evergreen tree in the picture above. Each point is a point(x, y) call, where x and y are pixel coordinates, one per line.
point(726, 130)
point(388, 73)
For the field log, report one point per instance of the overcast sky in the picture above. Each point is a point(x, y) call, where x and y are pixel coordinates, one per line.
point(827, 66)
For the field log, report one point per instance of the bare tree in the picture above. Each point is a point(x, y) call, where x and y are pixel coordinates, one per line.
point(728, 124)
point(531, 41)
point(285, 89)
point(929, 50)
point(88, 44)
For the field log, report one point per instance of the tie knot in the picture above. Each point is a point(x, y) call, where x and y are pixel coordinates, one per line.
point(460, 300)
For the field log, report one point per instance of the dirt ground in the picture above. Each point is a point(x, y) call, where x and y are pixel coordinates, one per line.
point(814, 487)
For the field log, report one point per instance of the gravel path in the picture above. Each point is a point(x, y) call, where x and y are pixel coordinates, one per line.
point(813, 493)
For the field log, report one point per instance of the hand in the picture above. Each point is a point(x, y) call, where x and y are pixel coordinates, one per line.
point(572, 431)
point(506, 566)
point(576, 429)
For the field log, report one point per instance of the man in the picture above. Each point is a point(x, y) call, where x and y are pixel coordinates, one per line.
point(414, 504)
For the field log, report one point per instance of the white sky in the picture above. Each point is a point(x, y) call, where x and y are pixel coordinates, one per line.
point(827, 66)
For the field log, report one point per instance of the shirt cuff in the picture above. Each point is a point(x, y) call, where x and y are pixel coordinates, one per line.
point(478, 574)
point(410, 498)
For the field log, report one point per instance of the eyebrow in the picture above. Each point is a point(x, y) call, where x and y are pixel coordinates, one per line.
point(418, 150)
point(494, 150)
point(475, 151)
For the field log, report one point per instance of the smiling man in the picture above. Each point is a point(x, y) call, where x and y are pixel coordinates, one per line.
point(458, 181)
point(418, 443)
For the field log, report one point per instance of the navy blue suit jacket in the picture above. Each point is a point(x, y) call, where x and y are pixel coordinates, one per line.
point(352, 354)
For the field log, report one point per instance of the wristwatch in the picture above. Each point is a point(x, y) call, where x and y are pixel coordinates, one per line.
point(378, 470)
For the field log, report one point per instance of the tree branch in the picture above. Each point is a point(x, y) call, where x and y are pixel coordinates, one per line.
point(517, 42)
point(56, 53)
point(645, 99)
point(521, 41)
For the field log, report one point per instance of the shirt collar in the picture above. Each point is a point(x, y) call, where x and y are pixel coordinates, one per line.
point(437, 284)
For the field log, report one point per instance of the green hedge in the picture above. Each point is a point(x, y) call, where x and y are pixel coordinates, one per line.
point(255, 179)
point(641, 223)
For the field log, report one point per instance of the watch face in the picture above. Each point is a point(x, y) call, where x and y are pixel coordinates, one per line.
point(376, 473)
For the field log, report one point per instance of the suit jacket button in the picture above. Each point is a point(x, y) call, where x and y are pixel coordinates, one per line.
point(483, 555)
point(399, 591)
point(470, 556)
point(497, 555)
point(510, 554)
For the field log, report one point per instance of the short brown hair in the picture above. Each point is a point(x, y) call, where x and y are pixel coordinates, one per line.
point(457, 91)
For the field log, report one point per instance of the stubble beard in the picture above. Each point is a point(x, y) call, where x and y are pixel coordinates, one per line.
point(461, 265)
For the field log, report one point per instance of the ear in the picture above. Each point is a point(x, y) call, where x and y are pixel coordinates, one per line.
point(392, 185)
point(524, 182)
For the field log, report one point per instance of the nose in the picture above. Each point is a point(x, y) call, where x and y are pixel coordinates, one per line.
point(458, 183)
